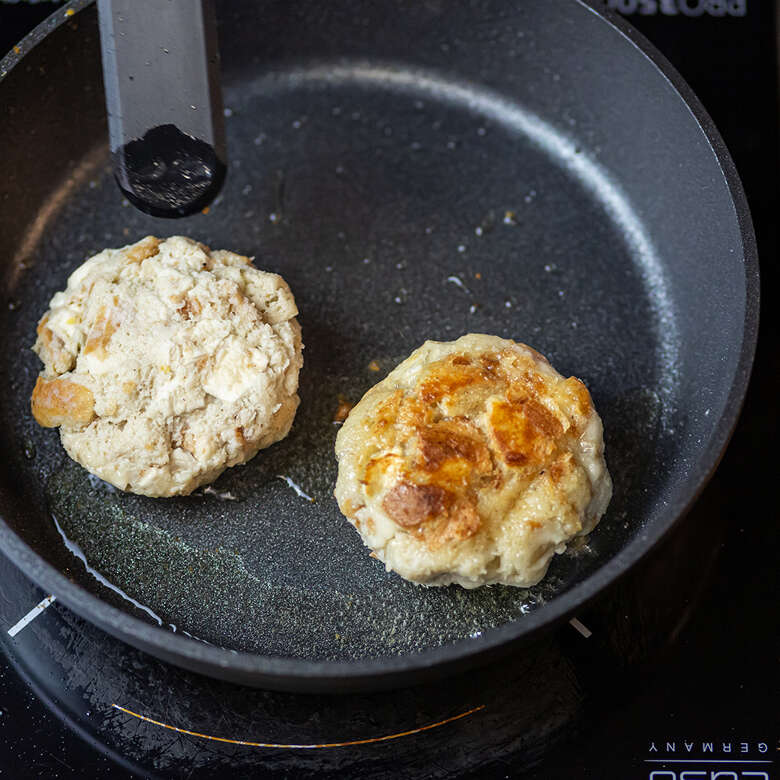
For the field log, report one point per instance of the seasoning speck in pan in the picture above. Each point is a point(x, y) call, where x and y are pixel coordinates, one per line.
point(342, 411)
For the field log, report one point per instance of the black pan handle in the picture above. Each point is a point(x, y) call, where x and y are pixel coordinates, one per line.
point(165, 119)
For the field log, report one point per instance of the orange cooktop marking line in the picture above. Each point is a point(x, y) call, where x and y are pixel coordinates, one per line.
point(302, 747)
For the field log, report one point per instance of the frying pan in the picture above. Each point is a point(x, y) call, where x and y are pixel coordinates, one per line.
point(415, 170)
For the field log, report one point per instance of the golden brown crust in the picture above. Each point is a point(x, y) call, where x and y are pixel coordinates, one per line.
point(524, 432)
point(451, 449)
point(470, 421)
point(61, 401)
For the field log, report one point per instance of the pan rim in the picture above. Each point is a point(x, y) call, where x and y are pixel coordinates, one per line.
point(297, 673)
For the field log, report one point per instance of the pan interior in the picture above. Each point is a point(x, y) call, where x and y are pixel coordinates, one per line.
point(399, 210)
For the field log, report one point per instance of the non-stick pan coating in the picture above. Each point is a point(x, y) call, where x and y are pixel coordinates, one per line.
point(415, 171)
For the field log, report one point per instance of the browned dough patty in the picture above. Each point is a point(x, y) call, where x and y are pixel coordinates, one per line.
point(473, 462)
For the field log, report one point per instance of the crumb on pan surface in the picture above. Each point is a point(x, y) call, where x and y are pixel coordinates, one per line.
point(166, 362)
point(473, 462)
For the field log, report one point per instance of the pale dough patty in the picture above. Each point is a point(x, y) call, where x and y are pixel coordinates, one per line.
point(472, 462)
point(165, 363)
